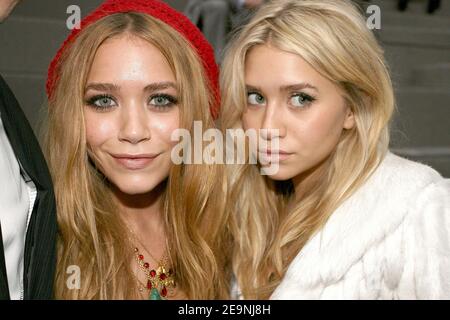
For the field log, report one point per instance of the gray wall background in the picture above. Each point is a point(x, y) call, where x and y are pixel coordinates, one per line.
point(417, 47)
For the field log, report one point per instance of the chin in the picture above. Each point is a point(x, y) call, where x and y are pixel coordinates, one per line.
point(136, 187)
point(281, 174)
point(134, 191)
point(280, 177)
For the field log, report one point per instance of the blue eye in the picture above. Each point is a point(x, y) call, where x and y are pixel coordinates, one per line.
point(301, 100)
point(101, 102)
point(163, 101)
point(254, 98)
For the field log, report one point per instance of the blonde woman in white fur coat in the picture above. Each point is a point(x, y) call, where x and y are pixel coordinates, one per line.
point(342, 218)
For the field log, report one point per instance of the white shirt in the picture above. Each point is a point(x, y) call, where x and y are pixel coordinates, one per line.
point(17, 197)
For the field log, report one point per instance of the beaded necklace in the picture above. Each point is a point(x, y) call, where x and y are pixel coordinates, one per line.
point(160, 281)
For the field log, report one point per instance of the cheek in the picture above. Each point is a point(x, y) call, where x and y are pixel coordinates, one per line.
point(323, 130)
point(164, 126)
point(251, 120)
point(99, 129)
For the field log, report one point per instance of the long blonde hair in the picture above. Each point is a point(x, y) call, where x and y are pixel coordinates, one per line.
point(331, 35)
point(92, 236)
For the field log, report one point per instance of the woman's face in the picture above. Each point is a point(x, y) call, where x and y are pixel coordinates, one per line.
point(285, 93)
point(131, 109)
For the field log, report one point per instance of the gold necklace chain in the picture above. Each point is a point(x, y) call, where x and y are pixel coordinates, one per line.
point(158, 262)
point(160, 278)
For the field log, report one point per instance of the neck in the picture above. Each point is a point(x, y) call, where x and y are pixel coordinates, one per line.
point(308, 180)
point(142, 212)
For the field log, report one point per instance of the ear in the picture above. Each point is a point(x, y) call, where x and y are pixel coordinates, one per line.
point(349, 122)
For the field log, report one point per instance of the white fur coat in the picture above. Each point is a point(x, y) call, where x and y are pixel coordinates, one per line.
point(389, 240)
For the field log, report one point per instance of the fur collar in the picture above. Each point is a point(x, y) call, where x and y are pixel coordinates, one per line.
point(362, 221)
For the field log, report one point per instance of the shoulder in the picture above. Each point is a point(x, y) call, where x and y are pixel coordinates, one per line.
point(402, 172)
point(5, 91)
point(395, 198)
point(390, 194)
point(397, 190)
point(393, 190)
point(405, 187)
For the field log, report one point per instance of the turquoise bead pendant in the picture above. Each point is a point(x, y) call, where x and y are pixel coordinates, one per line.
point(154, 295)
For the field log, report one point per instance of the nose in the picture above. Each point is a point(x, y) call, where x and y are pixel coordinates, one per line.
point(273, 125)
point(135, 127)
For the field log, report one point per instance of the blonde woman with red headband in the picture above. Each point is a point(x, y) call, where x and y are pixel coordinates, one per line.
point(342, 217)
point(133, 225)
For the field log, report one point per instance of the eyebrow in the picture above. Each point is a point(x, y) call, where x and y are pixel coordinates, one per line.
point(291, 87)
point(110, 87)
point(102, 87)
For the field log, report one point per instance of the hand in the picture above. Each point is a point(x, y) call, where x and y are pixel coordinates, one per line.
point(252, 3)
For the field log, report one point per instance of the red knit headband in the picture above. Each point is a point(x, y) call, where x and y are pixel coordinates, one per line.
point(160, 11)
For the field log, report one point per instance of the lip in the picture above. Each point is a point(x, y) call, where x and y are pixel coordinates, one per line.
point(274, 155)
point(134, 161)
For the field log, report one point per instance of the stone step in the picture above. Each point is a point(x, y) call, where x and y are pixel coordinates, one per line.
point(415, 16)
point(422, 118)
point(432, 75)
point(436, 38)
point(177, 4)
point(414, 20)
point(29, 91)
point(53, 9)
point(413, 38)
point(29, 44)
point(415, 7)
point(57, 9)
point(403, 59)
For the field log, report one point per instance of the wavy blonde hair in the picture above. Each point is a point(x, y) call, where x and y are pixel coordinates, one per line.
point(331, 35)
point(92, 234)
